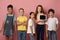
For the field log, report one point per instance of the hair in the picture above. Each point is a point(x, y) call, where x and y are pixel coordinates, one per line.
point(31, 14)
point(36, 12)
point(51, 10)
point(10, 6)
point(21, 9)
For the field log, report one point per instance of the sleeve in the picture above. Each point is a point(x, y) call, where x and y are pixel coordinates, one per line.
point(25, 18)
point(46, 22)
point(29, 23)
point(14, 18)
point(5, 17)
point(56, 21)
point(17, 18)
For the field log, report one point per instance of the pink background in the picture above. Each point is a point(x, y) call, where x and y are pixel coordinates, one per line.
point(29, 5)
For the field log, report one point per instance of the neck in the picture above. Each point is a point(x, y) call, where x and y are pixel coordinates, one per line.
point(10, 13)
point(52, 17)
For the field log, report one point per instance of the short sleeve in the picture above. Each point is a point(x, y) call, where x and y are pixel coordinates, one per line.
point(25, 18)
point(56, 21)
point(5, 17)
point(46, 22)
point(29, 22)
point(14, 18)
point(17, 18)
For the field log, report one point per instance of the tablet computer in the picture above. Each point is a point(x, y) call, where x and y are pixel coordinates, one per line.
point(43, 17)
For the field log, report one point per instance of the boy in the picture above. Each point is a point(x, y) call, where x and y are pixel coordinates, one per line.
point(9, 23)
point(51, 25)
point(21, 23)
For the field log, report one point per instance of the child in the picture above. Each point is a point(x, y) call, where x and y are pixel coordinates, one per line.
point(9, 23)
point(21, 23)
point(52, 25)
point(31, 26)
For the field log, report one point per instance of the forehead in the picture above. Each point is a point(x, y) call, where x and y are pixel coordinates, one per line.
point(51, 12)
point(39, 7)
point(10, 8)
point(32, 14)
point(21, 10)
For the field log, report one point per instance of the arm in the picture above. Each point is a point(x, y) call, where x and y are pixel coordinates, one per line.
point(46, 31)
point(46, 28)
point(25, 22)
point(2, 26)
point(31, 29)
point(57, 26)
point(14, 20)
point(19, 23)
point(3, 23)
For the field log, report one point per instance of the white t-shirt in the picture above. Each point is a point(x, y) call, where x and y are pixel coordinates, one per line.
point(52, 22)
point(30, 23)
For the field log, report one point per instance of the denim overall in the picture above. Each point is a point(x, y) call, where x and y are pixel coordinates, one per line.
point(8, 27)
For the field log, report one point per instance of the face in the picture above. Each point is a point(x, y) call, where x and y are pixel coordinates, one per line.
point(21, 12)
point(10, 10)
point(51, 14)
point(32, 15)
point(39, 9)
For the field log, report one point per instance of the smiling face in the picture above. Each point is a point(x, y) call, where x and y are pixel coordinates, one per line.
point(32, 15)
point(21, 12)
point(51, 14)
point(39, 9)
point(10, 10)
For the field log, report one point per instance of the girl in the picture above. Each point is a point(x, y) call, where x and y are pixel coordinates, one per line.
point(31, 29)
point(9, 23)
point(40, 21)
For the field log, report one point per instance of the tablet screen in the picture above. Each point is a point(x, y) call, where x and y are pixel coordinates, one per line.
point(42, 17)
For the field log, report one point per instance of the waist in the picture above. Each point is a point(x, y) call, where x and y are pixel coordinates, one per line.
point(40, 25)
point(21, 28)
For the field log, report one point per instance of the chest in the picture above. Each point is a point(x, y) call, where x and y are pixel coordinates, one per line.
point(52, 21)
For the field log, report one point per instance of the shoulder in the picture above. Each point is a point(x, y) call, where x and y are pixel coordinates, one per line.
point(30, 20)
point(55, 18)
point(18, 17)
point(48, 19)
point(25, 16)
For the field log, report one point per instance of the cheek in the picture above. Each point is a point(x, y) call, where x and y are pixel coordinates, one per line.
point(10, 10)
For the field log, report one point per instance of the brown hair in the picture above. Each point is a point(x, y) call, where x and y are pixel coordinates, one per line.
point(36, 12)
point(21, 9)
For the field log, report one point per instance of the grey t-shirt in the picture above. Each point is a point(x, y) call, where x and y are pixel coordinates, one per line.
point(5, 17)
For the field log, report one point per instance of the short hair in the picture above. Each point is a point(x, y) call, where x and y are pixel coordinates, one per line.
point(31, 13)
point(51, 10)
point(10, 6)
point(21, 9)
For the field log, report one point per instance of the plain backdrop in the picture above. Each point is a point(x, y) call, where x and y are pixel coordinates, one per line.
point(29, 5)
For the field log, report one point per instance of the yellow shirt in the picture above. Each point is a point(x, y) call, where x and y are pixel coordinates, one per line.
point(22, 19)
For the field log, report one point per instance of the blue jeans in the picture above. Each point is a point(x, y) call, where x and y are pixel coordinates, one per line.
point(31, 37)
point(52, 35)
point(21, 35)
